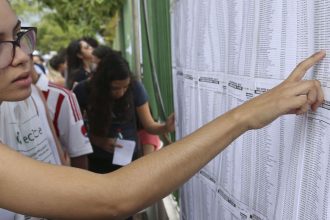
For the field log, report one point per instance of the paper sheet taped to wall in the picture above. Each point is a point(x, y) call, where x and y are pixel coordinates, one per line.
point(225, 53)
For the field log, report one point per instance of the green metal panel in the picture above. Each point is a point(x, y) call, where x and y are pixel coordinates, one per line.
point(125, 36)
point(146, 69)
point(158, 20)
point(127, 18)
point(116, 45)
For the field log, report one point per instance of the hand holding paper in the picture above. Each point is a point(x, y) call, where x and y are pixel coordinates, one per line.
point(123, 156)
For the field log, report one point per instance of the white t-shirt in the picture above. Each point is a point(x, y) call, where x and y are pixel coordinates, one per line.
point(67, 119)
point(22, 129)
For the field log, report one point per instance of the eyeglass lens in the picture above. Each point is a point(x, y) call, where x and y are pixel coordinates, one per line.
point(26, 41)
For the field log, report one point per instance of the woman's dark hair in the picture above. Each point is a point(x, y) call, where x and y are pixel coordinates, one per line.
point(73, 61)
point(91, 41)
point(58, 59)
point(102, 51)
point(101, 105)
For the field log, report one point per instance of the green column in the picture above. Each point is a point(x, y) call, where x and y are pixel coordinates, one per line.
point(158, 21)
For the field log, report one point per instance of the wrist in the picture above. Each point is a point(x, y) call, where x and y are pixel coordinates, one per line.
point(241, 118)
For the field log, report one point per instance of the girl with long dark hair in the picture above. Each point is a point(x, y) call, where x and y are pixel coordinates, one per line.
point(79, 59)
point(114, 100)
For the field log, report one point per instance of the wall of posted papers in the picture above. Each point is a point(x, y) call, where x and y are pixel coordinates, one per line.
point(226, 52)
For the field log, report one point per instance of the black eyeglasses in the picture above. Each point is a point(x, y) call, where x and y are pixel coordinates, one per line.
point(26, 40)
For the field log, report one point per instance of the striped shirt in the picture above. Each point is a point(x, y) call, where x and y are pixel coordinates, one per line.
point(67, 119)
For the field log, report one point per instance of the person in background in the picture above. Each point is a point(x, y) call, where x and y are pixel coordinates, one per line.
point(67, 120)
point(114, 101)
point(79, 60)
point(38, 62)
point(58, 68)
point(68, 193)
point(99, 52)
point(148, 142)
point(125, 102)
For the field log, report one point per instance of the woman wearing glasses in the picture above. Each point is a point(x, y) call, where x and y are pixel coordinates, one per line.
point(24, 125)
point(69, 193)
point(16, 84)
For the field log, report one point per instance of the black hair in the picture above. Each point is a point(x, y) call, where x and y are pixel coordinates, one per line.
point(102, 50)
point(101, 105)
point(91, 41)
point(58, 59)
point(72, 51)
point(74, 62)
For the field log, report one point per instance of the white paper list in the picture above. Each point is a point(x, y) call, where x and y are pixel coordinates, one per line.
point(225, 53)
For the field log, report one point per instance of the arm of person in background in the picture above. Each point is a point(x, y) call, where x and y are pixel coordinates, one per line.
point(69, 193)
point(150, 125)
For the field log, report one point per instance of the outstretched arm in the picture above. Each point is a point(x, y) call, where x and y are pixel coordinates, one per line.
point(68, 193)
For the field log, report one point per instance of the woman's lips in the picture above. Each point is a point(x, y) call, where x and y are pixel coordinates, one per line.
point(24, 81)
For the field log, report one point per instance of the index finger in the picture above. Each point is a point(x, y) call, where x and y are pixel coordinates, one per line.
point(300, 70)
